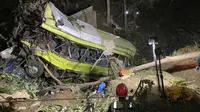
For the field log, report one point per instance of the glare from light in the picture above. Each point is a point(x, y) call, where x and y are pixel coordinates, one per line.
point(126, 12)
point(137, 13)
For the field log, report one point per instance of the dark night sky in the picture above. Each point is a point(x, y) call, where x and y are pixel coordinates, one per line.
point(174, 26)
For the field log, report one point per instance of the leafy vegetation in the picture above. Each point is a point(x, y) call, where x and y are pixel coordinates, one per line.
point(52, 108)
point(180, 83)
point(100, 105)
point(187, 49)
point(13, 84)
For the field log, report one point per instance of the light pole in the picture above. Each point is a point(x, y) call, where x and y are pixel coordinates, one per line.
point(108, 12)
point(125, 17)
point(153, 42)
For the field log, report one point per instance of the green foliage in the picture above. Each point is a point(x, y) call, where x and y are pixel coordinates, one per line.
point(6, 77)
point(144, 61)
point(181, 83)
point(13, 84)
point(76, 108)
point(32, 88)
point(100, 105)
point(51, 108)
point(187, 49)
point(176, 53)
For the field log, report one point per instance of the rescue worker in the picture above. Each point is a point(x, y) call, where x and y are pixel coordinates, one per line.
point(198, 63)
point(125, 103)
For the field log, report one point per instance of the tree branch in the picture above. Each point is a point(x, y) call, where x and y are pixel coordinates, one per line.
point(166, 60)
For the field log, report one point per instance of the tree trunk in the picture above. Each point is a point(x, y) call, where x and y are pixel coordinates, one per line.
point(108, 12)
point(166, 60)
point(125, 17)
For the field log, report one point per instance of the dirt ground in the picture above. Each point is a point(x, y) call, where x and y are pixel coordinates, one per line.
point(155, 104)
point(192, 75)
point(35, 106)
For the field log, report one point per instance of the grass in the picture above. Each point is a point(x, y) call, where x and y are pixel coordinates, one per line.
point(148, 72)
point(100, 105)
point(51, 108)
point(181, 83)
point(13, 84)
point(187, 49)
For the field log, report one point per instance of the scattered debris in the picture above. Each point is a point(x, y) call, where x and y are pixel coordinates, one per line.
point(37, 103)
point(6, 54)
point(49, 72)
point(47, 45)
point(100, 90)
point(176, 93)
point(17, 95)
point(125, 74)
point(52, 108)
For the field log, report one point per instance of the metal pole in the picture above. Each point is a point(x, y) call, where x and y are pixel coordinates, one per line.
point(125, 17)
point(154, 55)
point(161, 76)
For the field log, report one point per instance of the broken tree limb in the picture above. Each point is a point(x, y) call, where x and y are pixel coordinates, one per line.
point(93, 83)
point(68, 87)
point(49, 72)
point(166, 60)
point(85, 85)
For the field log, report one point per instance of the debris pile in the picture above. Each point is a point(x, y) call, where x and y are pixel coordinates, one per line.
point(19, 61)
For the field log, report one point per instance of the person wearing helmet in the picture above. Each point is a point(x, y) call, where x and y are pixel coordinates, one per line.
point(122, 90)
point(125, 103)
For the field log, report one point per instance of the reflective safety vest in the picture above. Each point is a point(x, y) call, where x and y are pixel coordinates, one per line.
point(118, 106)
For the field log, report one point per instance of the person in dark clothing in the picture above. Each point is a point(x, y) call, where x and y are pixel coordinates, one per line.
point(125, 102)
point(198, 63)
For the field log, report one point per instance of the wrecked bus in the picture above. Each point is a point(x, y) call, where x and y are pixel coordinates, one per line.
point(74, 47)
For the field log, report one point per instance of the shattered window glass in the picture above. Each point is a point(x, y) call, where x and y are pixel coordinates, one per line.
point(41, 42)
point(104, 61)
point(74, 51)
point(59, 46)
point(124, 60)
